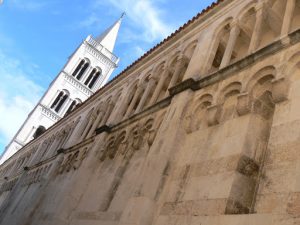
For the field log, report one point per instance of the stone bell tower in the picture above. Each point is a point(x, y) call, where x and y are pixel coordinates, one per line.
point(86, 70)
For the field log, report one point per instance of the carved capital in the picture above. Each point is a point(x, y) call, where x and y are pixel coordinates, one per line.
point(280, 90)
point(243, 104)
point(247, 166)
point(213, 115)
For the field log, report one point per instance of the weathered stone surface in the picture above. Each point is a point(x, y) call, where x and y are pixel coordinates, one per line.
point(222, 148)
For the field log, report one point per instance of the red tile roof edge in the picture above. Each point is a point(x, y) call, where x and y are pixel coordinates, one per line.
point(185, 25)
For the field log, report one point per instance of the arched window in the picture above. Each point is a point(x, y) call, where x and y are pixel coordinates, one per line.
point(73, 105)
point(39, 131)
point(80, 69)
point(59, 101)
point(80, 65)
point(93, 77)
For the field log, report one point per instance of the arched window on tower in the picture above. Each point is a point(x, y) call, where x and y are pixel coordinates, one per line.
point(73, 105)
point(93, 77)
point(39, 131)
point(60, 100)
point(81, 69)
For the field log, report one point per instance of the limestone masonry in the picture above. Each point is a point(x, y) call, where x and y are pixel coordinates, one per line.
point(202, 130)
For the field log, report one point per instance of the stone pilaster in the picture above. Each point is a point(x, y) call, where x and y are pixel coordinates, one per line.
point(288, 17)
point(181, 62)
point(160, 85)
point(234, 33)
point(145, 96)
point(133, 102)
point(257, 32)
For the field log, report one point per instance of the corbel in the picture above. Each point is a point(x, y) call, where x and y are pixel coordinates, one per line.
point(280, 90)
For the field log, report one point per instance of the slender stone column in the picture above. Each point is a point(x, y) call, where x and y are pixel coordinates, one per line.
point(122, 107)
point(159, 86)
point(288, 17)
point(234, 33)
point(66, 106)
point(149, 87)
point(257, 32)
point(181, 62)
point(107, 114)
point(95, 125)
point(133, 102)
point(53, 146)
point(84, 134)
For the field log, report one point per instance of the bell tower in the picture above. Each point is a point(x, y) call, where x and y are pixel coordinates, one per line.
point(86, 70)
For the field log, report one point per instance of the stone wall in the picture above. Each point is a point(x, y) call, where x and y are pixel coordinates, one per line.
point(180, 142)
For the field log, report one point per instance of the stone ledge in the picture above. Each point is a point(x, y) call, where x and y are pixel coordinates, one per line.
point(102, 129)
point(184, 85)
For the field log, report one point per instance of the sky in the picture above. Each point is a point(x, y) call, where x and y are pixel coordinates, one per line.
point(37, 37)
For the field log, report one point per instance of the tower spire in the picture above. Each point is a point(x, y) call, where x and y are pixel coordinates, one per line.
point(109, 36)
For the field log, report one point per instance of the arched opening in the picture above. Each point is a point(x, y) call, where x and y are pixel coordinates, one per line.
point(197, 119)
point(79, 66)
point(165, 86)
point(81, 69)
point(39, 131)
point(296, 17)
point(151, 90)
point(130, 99)
point(219, 47)
point(73, 105)
point(246, 26)
point(59, 101)
point(93, 77)
point(138, 100)
point(273, 21)
point(228, 100)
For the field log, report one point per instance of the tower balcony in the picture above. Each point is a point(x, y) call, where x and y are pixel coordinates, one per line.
point(91, 41)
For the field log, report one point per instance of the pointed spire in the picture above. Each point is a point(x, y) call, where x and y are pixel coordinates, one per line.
point(108, 37)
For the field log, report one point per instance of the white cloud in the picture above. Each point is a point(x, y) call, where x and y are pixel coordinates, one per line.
point(18, 96)
point(28, 5)
point(146, 15)
point(139, 51)
point(92, 21)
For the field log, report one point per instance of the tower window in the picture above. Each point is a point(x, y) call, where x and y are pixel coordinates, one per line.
point(73, 105)
point(93, 77)
point(59, 101)
point(39, 131)
point(80, 65)
point(81, 69)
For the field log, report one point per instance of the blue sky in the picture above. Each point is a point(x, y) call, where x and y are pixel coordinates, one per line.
point(37, 36)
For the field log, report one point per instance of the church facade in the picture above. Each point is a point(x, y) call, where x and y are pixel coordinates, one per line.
point(86, 70)
point(203, 129)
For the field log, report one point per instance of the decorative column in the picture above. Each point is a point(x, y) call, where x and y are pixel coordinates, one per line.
point(234, 33)
point(108, 112)
point(181, 62)
point(149, 87)
point(84, 134)
point(95, 125)
point(288, 17)
point(66, 106)
point(160, 85)
point(54, 98)
point(122, 107)
point(257, 32)
point(133, 102)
